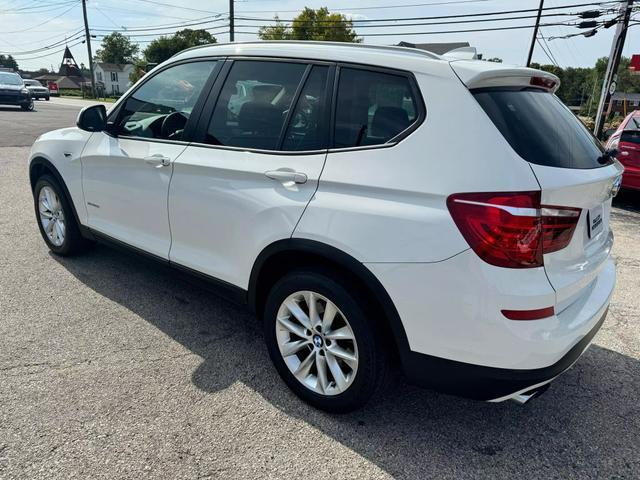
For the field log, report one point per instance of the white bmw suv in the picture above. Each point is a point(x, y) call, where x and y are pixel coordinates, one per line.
point(373, 205)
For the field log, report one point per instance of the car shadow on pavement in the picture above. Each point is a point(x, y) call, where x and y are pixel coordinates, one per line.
point(586, 423)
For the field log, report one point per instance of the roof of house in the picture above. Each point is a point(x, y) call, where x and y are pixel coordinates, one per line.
point(113, 67)
point(625, 96)
point(437, 48)
point(63, 81)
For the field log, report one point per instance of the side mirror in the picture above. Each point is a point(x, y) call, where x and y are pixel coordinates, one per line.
point(92, 118)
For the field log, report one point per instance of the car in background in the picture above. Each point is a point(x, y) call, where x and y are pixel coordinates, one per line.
point(37, 89)
point(14, 92)
point(626, 140)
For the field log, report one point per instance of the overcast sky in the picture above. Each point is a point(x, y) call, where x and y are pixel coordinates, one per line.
point(28, 30)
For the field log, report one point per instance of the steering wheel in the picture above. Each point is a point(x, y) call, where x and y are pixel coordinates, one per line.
point(173, 126)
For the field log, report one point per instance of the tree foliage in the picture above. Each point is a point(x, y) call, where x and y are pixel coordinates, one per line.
point(320, 25)
point(116, 48)
point(164, 48)
point(8, 62)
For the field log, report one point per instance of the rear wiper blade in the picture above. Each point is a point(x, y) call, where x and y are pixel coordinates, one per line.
point(608, 155)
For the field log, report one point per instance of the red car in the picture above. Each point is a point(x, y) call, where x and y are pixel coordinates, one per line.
point(626, 139)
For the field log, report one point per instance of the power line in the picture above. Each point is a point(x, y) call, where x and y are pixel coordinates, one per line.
point(46, 21)
point(438, 17)
point(159, 27)
point(154, 2)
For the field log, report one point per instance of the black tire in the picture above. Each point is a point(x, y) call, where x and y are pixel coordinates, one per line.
point(47, 98)
point(373, 361)
point(73, 242)
point(28, 107)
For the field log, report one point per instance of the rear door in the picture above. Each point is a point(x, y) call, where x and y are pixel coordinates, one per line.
point(245, 182)
point(569, 166)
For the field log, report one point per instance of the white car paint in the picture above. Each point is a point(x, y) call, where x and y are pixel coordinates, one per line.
point(213, 210)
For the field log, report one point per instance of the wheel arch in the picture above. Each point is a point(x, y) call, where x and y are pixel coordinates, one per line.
point(283, 255)
point(40, 166)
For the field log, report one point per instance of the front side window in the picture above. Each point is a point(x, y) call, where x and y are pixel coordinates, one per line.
point(161, 107)
point(254, 103)
point(372, 107)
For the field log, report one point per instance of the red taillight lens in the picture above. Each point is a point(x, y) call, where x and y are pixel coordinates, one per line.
point(529, 314)
point(512, 230)
point(543, 82)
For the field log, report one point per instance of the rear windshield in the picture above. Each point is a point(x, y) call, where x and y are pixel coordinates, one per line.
point(540, 128)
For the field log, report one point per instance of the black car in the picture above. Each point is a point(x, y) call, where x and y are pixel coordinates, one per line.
point(14, 92)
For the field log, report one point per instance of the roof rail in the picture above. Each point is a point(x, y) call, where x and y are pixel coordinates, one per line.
point(392, 48)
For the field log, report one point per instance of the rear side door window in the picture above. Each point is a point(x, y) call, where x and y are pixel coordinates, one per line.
point(372, 107)
point(254, 104)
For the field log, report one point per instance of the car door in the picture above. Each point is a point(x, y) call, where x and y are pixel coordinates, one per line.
point(261, 146)
point(126, 170)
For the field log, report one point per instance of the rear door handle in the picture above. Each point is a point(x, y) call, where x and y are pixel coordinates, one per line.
point(158, 160)
point(287, 176)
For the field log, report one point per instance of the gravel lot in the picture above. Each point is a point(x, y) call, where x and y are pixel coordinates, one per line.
point(111, 367)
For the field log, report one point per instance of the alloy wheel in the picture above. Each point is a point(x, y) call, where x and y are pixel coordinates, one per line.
point(317, 343)
point(51, 215)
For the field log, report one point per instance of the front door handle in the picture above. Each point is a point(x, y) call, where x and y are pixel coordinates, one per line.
point(158, 160)
point(287, 176)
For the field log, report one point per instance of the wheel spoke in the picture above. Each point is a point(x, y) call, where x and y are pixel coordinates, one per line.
point(59, 232)
point(294, 346)
point(336, 371)
point(292, 327)
point(342, 333)
point(47, 196)
point(312, 303)
point(348, 357)
point(49, 227)
point(45, 213)
point(297, 312)
point(321, 366)
point(329, 314)
point(303, 369)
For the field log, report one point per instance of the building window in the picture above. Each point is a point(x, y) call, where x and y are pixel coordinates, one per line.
point(114, 76)
point(99, 76)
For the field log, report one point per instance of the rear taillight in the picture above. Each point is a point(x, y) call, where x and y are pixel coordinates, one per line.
point(512, 230)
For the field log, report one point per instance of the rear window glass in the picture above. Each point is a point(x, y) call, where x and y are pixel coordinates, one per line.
point(540, 128)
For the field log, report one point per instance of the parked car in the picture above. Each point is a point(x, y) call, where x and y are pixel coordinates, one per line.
point(37, 89)
point(14, 92)
point(626, 140)
point(347, 212)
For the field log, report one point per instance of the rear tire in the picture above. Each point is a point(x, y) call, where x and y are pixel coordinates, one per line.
point(56, 219)
point(28, 107)
point(348, 348)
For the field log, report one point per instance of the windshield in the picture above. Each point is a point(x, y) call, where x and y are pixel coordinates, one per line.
point(32, 83)
point(540, 128)
point(10, 79)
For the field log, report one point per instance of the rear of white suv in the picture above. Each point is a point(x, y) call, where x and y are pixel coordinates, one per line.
point(369, 203)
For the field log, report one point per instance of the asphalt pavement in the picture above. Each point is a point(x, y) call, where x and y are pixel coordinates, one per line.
point(111, 367)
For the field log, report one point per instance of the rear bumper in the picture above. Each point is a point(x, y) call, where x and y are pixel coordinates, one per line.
point(488, 383)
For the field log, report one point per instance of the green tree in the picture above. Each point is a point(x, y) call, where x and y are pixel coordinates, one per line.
point(164, 48)
point(320, 25)
point(8, 62)
point(116, 48)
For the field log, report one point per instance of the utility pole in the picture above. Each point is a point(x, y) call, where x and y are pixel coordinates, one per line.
point(611, 74)
point(88, 41)
point(231, 22)
point(535, 33)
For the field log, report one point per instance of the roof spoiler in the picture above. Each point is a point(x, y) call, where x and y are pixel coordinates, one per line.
point(462, 53)
point(478, 74)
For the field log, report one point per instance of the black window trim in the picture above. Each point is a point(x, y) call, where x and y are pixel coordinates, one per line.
point(420, 117)
point(212, 99)
point(115, 115)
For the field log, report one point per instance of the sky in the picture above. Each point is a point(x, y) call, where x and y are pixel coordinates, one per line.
point(30, 25)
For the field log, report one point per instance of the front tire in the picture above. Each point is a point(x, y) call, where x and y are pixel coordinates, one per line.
point(28, 107)
point(322, 341)
point(55, 217)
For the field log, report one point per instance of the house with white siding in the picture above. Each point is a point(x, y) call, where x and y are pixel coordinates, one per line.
point(113, 77)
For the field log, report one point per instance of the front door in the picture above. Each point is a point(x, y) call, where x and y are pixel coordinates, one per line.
point(255, 166)
point(126, 171)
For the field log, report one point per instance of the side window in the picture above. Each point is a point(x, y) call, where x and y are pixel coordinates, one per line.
point(372, 107)
point(253, 104)
point(305, 130)
point(161, 107)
